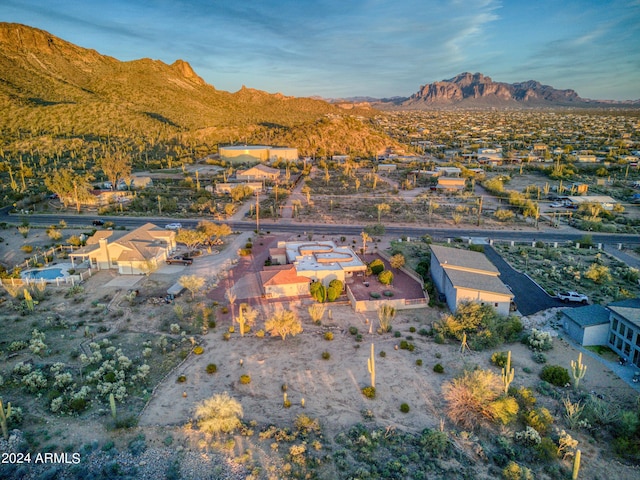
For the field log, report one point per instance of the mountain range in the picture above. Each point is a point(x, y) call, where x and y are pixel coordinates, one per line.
point(48, 85)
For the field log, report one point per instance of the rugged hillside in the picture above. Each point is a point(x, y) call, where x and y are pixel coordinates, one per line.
point(48, 85)
point(468, 90)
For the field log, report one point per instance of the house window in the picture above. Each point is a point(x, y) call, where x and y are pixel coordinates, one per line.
point(622, 329)
point(629, 333)
point(495, 304)
point(619, 344)
point(627, 348)
point(614, 325)
point(612, 339)
point(638, 340)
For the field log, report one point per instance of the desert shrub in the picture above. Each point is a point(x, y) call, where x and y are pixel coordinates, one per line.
point(334, 290)
point(513, 471)
point(212, 324)
point(318, 291)
point(503, 215)
point(26, 248)
point(397, 334)
point(328, 336)
point(537, 340)
point(326, 355)
point(555, 375)
point(353, 330)
point(388, 293)
point(539, 357)
point(419, 362)
point(434, 441)
point(475, 399)
point(232, 329)
point(385, 277)
point(412, 329)
point(438, 368)
point(198, 350)
point(219, 414)
point(540, 419)
point(383, 353)
point(260, 334)
point(547, 450)
point(404, 345)
point(369, 392)
point(212, 368)
point(439, 338)
point(404, 408)
point(182, 378)
point(376, 266)
point(226, 336)
point(374, 295)
point(524, 396)
point(499, 359)
point(529, 437)
point(245, 379)
point(224, 310)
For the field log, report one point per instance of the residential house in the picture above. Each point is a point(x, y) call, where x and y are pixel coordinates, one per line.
point(317, 261)
point(624, 329)
point(283, 281)
point(222, 188)
point(130, 253)
point(259, 172)
point(451, 184)
point(587, 325)
point(466, 276)
point(387, 167)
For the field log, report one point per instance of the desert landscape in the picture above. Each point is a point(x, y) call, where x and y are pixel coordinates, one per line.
point(312, 376)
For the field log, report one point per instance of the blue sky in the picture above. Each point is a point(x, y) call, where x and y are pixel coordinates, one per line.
point(380, 48)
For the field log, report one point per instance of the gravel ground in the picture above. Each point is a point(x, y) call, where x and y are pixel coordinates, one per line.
point(151, 464)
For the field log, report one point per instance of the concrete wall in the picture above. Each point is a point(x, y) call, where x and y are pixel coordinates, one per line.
point(488, 298)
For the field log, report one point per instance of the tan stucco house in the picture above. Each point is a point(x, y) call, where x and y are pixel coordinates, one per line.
point(130, 253)
point(466, 276)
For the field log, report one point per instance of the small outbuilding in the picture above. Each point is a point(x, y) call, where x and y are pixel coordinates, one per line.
point(587, 325)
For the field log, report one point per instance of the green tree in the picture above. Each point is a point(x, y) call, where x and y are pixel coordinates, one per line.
point(219, 414)
point(376, 266)
point(116, 167)
point(71, 187)
point(334, 290)
point(240, 192)
point(213, 231)
point(318, 291)
point(193, 283)
point(191, 238)
point(283, 323)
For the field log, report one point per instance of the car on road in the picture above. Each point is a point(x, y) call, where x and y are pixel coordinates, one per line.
point(180, 260)
point(557, 205)
point(97, 223)
point(573, 297)
point(173, 226)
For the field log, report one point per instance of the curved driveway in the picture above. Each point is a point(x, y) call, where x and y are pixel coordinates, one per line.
point(529, 296)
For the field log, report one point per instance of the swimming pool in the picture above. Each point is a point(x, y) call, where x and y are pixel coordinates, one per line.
point(49, 274)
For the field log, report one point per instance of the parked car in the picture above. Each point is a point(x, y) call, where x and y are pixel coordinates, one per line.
point(573, 297)
point(180, 260)
point(557, 205)
point(173, 226)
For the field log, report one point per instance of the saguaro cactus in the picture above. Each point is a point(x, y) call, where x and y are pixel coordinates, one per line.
point(576, 466)
point(508, 373)
point(112, 404)
point(4, 414)
point(371, 365)
point(578, 369)
point(28, 300)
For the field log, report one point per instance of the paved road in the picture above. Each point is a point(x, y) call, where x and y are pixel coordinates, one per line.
point(529, 296)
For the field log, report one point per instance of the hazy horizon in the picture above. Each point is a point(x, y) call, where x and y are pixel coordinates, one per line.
point(374, 48)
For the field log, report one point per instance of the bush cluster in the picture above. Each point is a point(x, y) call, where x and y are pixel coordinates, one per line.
point(555, 375)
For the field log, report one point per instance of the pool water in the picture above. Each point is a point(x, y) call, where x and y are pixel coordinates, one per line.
point(46, 274)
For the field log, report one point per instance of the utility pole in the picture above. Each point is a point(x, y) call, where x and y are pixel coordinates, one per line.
point(479, 210)
point(257, 211)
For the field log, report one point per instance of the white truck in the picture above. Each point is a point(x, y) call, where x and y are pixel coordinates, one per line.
point(573, 297)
